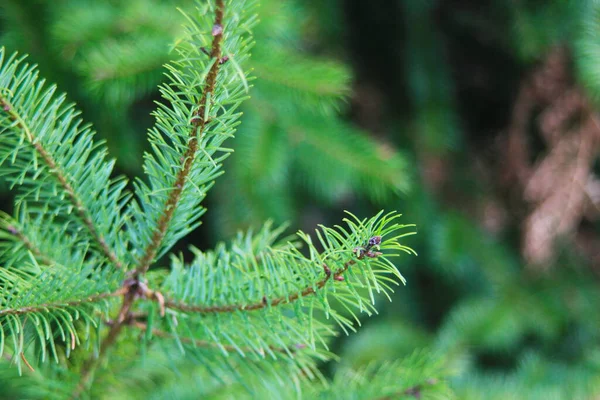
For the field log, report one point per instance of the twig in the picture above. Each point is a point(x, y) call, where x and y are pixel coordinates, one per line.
point(309, 290)
point(72, 303)
point(199, 123)
point(27, 362)
point(91, 363)
point(54, 169)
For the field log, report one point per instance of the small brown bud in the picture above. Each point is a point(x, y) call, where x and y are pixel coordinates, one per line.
point(339, 278)
point(375, 241)
point(373, 254)
point(326, 270)
point(360, 252)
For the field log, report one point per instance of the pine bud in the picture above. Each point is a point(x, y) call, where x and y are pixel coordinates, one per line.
point(375, 241)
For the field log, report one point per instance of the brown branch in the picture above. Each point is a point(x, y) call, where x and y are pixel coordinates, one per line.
point(91, 363)
point(72, 303)
point(307, 291)
point(204, 343)
point(82, 212)
point(198, 126)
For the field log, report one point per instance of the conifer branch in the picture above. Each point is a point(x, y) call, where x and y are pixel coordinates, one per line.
point(61, 177)
point(91, 363)
point(61, 304)
point(307, 291)
point(198, 126)
point(29, 245)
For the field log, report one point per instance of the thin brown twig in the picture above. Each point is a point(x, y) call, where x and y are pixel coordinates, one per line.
point(309, 290)
point(91, 363)
point(27, 362)
point(198, 126)
point(54, 169)
point(72, 303)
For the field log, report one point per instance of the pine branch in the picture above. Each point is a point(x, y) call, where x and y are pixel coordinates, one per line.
point(14, 230)
point(45, 307)
point(29, 246)
point(184, 177)
point(56, 303)
point(199, 124)
point(53, 159)
point(109, 340)
point(234, 293)
point(307, 291)
point(61, 177)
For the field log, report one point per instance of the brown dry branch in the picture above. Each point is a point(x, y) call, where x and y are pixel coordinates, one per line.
point(558, 186)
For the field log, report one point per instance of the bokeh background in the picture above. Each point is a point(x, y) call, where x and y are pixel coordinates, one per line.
point(475, 119)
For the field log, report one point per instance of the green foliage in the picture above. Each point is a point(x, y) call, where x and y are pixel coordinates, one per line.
point(431, 88)
point(292, 141)
point(118, 50)
point(260, 316)
point(249, 317)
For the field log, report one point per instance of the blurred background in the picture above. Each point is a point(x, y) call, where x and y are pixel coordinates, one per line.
point(475, 119)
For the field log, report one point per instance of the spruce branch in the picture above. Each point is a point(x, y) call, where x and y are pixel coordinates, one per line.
point(270, 305)
point(201, 116)
point(53, 159)
point(199, 121)
point(232, 293)
point(14, 230)
point(55, 304)
point(307, 291)
point(198, 126)
point(30, 244)
point(45, 307)
point(61, 177)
